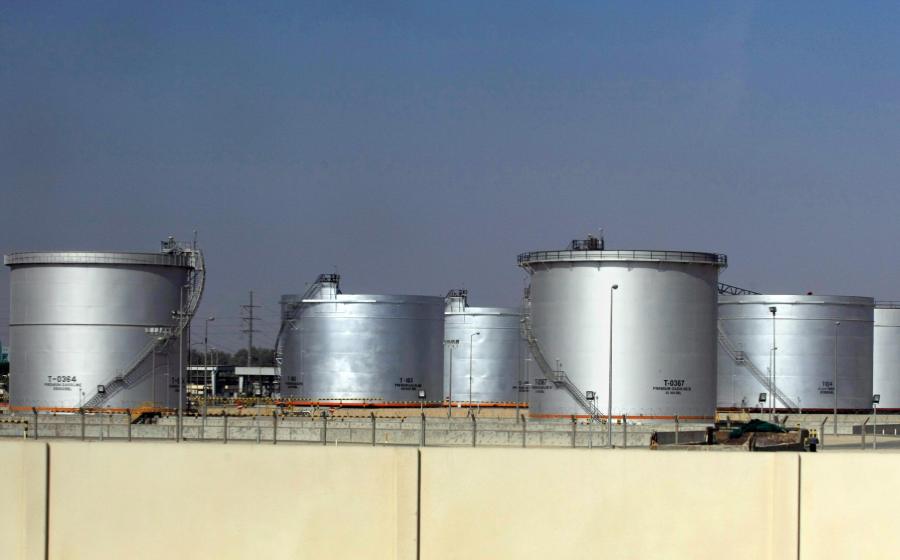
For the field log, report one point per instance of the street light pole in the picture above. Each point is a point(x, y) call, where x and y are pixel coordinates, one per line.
point(206, 362)
point(452, 343)
point(834, 380)
point(772, 391)
point(610, 371)
point(471, 352)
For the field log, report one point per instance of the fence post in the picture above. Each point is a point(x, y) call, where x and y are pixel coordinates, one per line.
point(423, 430)
point(274, 427)
point(524, 431)
point(677, 428)
point(81, 411)
point(128, 419)
point(863, 431)
point(574, 429)
point(373, 427)
point(474, 431)
point(624, 432)
point(225, 431)
point(324, 428)
point(33, 409)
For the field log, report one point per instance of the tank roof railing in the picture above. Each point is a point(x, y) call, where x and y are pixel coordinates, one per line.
point(887, 304)
point(96, 257)
point(717, 259)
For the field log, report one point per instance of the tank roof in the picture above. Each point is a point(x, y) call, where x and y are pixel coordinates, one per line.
point(487, 311)
point(180, 259)
point(569, 255)
point(364, 298)
point(798, 299)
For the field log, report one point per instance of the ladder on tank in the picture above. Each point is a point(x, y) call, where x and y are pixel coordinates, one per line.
point(740, 358)
point(556, 376)
point(132, 374)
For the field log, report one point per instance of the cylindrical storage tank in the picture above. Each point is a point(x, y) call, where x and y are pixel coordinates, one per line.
point(350, 347)
point(482, 352)
point(660, 322)
point(820, 342)
point(886, 356)
point(80, 323)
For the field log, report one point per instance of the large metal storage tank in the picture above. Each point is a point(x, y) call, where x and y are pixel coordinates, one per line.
point(351, 347)
point(886, 356)
point(660, 320)
point(97, 329)
point(816, 339)
point(482, 352)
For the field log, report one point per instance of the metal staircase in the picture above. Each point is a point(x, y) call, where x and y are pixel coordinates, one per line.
point(289, 312)
point(133, 374)
point(740, 358)
point(556, 376)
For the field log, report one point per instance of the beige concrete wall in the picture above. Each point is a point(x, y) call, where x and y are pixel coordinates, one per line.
point(849, 506)
point(165, 500)
point(492, 503)
point(23, 485)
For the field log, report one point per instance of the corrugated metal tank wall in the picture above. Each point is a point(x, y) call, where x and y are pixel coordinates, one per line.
point(490, 370)
point(362, 347)
point(663, 330)
point(886, 356)
point(809, 344)
point(78, 319)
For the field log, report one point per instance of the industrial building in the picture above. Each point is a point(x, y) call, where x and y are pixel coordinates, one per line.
point(646, 320)
point(360, 348)
point(795, 352)
point(100, 329)
point(483, 352)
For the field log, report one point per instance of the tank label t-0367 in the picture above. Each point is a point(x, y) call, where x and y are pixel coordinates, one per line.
point(673, 386)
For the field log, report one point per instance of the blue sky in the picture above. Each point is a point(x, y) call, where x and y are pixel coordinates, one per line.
point(419, 147)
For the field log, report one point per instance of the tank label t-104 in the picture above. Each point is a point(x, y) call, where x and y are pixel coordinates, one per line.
point(673, 386)
point(826, 388)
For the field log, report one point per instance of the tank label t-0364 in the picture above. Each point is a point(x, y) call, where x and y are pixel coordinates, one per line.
point(673, 386)
point(61, 382)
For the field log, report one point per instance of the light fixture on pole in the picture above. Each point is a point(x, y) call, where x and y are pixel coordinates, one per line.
point(451, 343)
point(612, 290)
point(590, 396)
point(206, 363)
point(471, 352)
point(876, 398)
point(772, 389)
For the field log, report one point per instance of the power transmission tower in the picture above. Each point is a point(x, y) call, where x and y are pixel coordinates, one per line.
point(248, 319)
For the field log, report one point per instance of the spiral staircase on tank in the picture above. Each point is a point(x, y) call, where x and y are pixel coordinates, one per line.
point(557, 377)
point(133, 373)
point(289, 313)
point(741, 358)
